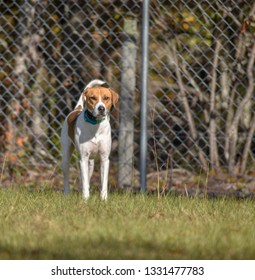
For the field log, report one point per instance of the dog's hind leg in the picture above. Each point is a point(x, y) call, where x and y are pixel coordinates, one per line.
point(91, 168)
point(67, 150)
point(65, 167)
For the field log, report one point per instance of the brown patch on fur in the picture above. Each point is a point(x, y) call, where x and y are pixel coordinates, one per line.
point(115, 97)
point(71, 119)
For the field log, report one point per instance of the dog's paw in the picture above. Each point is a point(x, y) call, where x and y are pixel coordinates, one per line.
point(103, 196)
point(86, 196)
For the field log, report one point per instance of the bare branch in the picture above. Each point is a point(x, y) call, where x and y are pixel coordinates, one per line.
point(248, 145)
point(229, 118)
point(233, 129)
point(158, 85)
point(200, 94)
point(227, 12)
point(187, 110)
point(214, 155)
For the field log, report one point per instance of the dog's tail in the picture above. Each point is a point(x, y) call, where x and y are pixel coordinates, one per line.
point(94, 83)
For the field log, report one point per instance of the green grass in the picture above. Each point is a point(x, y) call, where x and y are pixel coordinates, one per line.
point(47, 225)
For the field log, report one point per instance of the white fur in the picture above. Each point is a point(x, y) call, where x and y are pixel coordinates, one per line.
point(89, 140)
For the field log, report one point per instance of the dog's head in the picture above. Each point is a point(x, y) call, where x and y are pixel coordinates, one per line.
point(100, 100)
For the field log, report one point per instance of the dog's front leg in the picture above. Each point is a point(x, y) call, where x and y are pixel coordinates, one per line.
point(84, 165)
point(104, 177)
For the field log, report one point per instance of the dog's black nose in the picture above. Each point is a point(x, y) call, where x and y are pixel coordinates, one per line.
point(101, 109)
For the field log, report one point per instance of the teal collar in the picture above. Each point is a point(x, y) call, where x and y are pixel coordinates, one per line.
point(88, 117)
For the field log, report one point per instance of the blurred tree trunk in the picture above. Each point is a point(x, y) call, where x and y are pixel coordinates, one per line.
point(128, 82)
point(29, 69)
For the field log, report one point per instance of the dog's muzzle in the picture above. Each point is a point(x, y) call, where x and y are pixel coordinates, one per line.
point(99, 110)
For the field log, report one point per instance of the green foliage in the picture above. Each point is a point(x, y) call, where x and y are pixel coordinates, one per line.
point(47, 225)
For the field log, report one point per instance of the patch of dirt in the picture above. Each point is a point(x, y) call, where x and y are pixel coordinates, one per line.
point(177, 181)
point(215, 184)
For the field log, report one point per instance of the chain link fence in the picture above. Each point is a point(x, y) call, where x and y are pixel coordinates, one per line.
point(201, 84)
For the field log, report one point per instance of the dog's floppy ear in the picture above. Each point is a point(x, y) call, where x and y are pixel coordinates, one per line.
point(85, 92)
point(84, 95)
point(82, 99)
point(115, 97)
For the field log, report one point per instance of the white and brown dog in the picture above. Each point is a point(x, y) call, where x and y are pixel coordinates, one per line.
point(88, 129)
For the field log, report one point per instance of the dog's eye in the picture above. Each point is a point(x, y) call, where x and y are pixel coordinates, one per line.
point(106, 98)
point(93, 98)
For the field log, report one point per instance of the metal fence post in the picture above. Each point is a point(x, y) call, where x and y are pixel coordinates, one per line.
point(144, 88)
